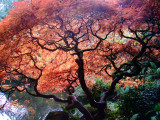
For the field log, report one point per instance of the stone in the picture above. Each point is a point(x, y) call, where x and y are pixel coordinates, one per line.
point(57, 115)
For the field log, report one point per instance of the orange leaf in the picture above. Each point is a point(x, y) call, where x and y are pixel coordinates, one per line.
point(18, 51)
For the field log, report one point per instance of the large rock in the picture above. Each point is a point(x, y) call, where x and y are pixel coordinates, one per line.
point(57, 115)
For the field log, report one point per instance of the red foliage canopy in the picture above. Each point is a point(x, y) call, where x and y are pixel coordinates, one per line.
point(37, 37)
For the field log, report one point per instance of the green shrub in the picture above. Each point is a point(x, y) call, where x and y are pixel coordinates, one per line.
point(156, 111)
point(150, 72)
point(139, 101)
point(99, 88)
point(81, 96)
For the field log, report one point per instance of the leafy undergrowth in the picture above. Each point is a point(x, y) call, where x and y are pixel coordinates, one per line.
point(135, 99)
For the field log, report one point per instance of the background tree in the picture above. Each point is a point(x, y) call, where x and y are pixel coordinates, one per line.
point(52, 45)
point(5, 6)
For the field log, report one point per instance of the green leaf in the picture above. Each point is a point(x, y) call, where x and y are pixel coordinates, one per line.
point(153, 118)
point(150, 78)
point(153, 65)
point(157, 107)
point(143, 71)
point(158, 71)
point(149, 112)
point(127, 89)
point(134, 117)
point(112, 106)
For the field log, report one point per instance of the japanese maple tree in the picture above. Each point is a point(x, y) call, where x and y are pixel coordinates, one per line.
point(56, 45)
